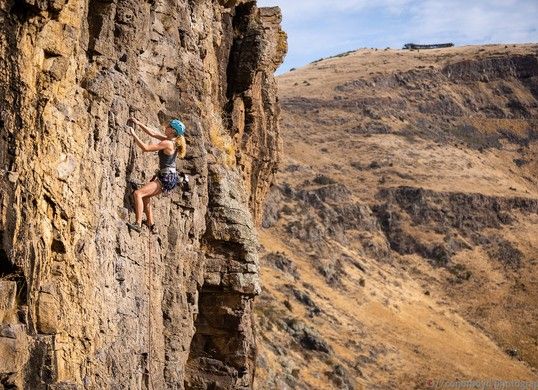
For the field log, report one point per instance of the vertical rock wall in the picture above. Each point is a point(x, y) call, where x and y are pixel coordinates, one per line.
point(84, 303)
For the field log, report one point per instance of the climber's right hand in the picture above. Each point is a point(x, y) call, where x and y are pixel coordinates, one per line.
point(134, 121)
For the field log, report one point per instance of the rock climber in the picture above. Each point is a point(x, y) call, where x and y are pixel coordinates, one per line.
point(172, 145)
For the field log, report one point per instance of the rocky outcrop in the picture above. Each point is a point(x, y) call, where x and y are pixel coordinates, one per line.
point(84, 303)
point(460, 218)
point(493, 68)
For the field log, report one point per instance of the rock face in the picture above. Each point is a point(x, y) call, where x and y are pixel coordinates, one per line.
point(84, 303)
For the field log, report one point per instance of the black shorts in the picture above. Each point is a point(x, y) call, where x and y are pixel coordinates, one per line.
point(168, 180)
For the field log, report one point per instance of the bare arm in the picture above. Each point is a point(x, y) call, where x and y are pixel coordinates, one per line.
point(166, 144)
point(148, 131)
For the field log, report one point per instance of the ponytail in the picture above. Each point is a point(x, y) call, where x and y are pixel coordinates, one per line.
point(181, 146)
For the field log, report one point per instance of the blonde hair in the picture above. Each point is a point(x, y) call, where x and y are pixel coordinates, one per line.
point(181, 146)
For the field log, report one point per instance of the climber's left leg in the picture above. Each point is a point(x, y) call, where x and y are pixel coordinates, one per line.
point(150, 189)
point(147, 210)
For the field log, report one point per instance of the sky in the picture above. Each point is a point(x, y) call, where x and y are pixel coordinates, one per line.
point(320, 28)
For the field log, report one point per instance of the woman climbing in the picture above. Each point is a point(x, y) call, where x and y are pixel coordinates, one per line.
point(172, 145)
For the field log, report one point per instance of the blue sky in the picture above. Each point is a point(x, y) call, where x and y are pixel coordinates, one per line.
point(320, 28)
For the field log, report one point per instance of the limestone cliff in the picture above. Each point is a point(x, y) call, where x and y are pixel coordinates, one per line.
point(84, 303)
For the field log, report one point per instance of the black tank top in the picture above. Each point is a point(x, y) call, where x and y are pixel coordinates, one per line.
point(167, 161)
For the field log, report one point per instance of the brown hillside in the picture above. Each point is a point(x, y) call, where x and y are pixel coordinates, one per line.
point(401, 239)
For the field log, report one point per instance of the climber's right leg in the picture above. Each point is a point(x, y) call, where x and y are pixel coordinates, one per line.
point(148, 210)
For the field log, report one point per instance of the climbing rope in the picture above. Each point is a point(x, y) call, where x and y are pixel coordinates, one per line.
point(150, 276)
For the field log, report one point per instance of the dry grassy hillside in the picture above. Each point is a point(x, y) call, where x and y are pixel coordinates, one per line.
point(401, 239)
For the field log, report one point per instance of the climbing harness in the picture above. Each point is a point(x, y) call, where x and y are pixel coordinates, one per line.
point(167, 170)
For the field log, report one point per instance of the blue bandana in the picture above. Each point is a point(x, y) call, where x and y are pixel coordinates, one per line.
point(178, 126)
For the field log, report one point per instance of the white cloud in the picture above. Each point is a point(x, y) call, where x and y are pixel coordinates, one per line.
point(318, 28)
point(305, 9)
point(480, 21)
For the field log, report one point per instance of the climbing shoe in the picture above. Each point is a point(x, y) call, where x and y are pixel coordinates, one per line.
point(152, 229)
point(134, 226)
